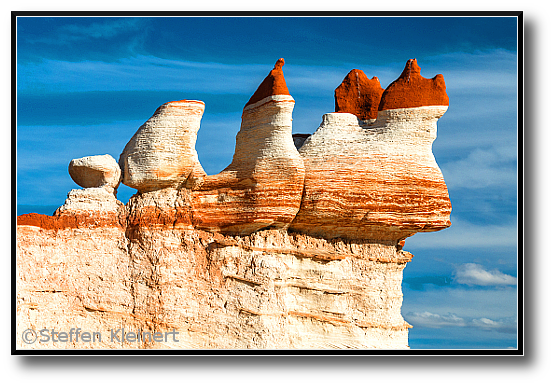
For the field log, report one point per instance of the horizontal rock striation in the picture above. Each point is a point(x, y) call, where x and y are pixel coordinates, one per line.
point(373, 182)
point(297, 244)
point(269, 290)
point(162, 152)
point(262, 187)
point(377, 180)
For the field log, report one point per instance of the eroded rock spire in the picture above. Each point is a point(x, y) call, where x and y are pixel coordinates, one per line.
point(273, 84)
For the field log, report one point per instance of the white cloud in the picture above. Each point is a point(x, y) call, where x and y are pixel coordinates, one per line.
point(475, 302)
point(508, 325)
point(428, 319)
point(475, 274)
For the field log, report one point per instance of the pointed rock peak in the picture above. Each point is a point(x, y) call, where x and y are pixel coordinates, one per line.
point(358, 95)
point(279, 64)
point(413, 90)
point(411, 70)
point(273, 84)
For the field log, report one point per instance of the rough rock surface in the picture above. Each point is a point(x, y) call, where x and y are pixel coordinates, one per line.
point(273, 84)
point(267, 290)
point(379, 182)
point(284, 249)
point(359, 95)
point(413, 90)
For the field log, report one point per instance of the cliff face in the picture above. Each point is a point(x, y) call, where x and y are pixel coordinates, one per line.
point(284, 248)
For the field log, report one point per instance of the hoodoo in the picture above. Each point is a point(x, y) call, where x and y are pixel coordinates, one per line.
point(283, 249)
point(380, 180)
point(262, 187)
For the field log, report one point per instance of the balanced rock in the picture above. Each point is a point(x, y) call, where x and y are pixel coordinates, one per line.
point(99, 175)
point(162, 152)
point(262, 187)
point(95, 171)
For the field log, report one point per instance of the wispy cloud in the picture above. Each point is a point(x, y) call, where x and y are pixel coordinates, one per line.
point(483, 168)
point(105, 30)
point(143, 72)
point(455, 310)
point(467, 302)
point(137, 73)
point(431, 320)
point(476, 274)
point(476, 72)
point(428, 319)
point(482, 87)
point(147, 72)
point(77, 32)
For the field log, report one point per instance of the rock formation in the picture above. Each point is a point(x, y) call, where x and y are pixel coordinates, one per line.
point(99, 171)
point(162, 152)
point(412, 90)
point(284, 248)
point(262, 187)
point(377, 181)
point(99, 176)
point(358, 95)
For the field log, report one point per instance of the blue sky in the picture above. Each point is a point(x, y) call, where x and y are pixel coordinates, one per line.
point(85, 85)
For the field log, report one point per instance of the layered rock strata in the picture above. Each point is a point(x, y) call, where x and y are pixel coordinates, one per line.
point(379, 180)
point(269, 290)
point(284, 249)
point(262, 187)
point(162, 152)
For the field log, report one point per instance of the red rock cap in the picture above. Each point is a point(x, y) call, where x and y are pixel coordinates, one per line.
point(273, 84)
point(413, 90)
point(358, 95)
